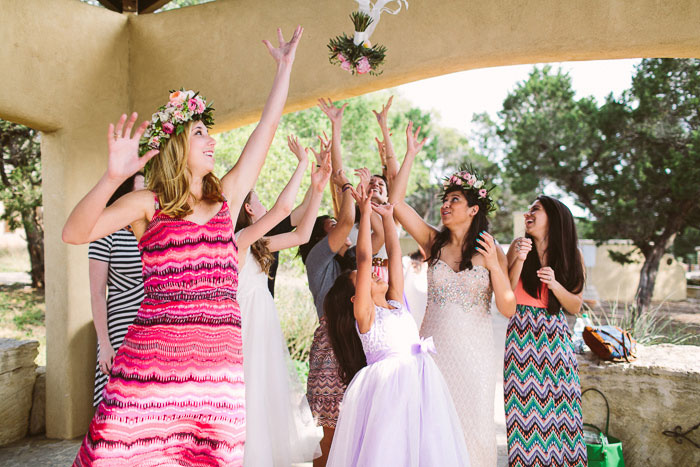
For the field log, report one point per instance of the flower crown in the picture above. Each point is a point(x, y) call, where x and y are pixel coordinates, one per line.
point(169, 119)
point(468, 180)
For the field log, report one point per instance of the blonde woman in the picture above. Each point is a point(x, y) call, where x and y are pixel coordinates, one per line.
point(176, 393)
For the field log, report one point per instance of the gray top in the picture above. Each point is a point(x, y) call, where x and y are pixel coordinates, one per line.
point(322, 270)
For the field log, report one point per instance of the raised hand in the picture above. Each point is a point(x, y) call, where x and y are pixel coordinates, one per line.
point(322, 173)
point(362, 198)
point(325, 148)
point(300, 151)
point(124, 160)
point(339, 178)
point(384, 210)
point(413, 146)
point(364, 175)
point(383, 114)
point(286, 51)
point(335, 114)
point(487, 249)
point(523, 246)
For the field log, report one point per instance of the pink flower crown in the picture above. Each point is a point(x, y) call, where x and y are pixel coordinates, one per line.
point(468, 180)
point(169, 119)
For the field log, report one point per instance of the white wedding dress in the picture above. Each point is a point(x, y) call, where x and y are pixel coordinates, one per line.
point(280, 429)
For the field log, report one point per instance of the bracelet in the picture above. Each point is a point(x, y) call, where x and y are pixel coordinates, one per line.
point(346, 187)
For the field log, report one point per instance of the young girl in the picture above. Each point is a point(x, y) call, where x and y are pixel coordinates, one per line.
point(176, 393)
point(544, 420)
point(397, 410)
point(280, 429)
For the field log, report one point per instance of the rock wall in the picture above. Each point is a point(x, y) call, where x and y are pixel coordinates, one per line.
point(655, 393)
point(17, 375)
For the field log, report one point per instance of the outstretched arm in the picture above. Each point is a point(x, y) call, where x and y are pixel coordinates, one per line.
point(319, 179)
point(414, 224)
point(393, 250)
point(346, 215)
point(375, 220)
point(363, 306)
point(90, 219)
point(283, 205)
point(241, 178)
point(390, 166)
point(335, 115)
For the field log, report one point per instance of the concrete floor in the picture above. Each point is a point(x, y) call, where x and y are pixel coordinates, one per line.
point(40, 452)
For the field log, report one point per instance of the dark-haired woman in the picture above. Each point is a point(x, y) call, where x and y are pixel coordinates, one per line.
point(326, 256)
point(115, 266)
point(541, 383)
point(466, 267)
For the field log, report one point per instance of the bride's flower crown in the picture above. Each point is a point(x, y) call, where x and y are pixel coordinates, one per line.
point(170, 119)
point(468, 180)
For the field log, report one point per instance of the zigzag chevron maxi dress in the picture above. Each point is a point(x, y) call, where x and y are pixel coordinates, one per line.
point(541, 386)
point(176, 394)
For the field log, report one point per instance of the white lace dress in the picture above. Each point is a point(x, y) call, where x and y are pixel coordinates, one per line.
point(459, 319)
point(280, 429)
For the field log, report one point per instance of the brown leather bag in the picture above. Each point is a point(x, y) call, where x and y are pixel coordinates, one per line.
point(610, 343)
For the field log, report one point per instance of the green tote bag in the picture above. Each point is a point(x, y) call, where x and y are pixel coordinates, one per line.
point(603, 449)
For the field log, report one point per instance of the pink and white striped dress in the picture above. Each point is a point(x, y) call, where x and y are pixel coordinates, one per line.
point(176, 394)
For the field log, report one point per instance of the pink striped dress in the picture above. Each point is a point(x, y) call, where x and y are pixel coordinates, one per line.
point(176, 394)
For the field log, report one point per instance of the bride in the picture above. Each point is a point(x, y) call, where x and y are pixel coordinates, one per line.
point(280, 429)
point(465, 267)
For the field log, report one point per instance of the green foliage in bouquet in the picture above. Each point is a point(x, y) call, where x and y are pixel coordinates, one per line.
point(357, 59)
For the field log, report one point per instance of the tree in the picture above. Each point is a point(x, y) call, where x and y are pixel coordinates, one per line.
point(20, 175)
point(633, 162)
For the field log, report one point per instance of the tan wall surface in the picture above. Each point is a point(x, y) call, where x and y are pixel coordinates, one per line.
point(70, 68)
point(65, 71)
point(431, 38)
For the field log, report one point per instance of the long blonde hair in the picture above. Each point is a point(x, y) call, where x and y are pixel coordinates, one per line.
point(169, 177)
point(260, 251)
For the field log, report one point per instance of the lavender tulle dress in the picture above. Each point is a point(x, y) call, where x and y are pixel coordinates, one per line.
point(397, 410)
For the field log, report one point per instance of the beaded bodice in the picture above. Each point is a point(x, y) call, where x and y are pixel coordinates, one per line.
point(470, 289)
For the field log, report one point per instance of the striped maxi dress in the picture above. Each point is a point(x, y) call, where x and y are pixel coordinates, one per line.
point(124, 290)
point(176, 395)
point(542, 390)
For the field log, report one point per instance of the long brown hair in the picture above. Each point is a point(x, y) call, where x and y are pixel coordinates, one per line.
point(169, 177)
point(562, 252)
point(340, 319)
point(260, 251)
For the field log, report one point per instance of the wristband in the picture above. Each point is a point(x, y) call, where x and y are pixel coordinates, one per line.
point(346, 186)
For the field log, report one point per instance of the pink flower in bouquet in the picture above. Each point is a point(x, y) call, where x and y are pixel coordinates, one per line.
point(458, 182)
point(168, 128)
point(471, 180)
point(482, 193)
point(342, 58)
point(453, 180)
point(347, 66)
point(201, 106)
point(363, 65)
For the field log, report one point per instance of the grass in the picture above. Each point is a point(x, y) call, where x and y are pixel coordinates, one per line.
point(22, 311)
point(653, 327)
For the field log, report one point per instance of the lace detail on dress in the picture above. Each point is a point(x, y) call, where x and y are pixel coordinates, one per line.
point(393, 333)
point(470, 288)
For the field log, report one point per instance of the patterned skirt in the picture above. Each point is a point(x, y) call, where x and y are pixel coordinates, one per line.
point(542, 391)
point(324, 389)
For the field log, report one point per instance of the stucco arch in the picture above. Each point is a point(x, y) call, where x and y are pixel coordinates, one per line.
point(69, 69)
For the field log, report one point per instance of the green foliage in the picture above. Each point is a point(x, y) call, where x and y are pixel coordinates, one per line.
point(684, 245)
point(651, 328)
point(20, 190)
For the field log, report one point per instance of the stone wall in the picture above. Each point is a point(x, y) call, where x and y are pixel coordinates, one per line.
point(657, 392)
point(17, 376)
